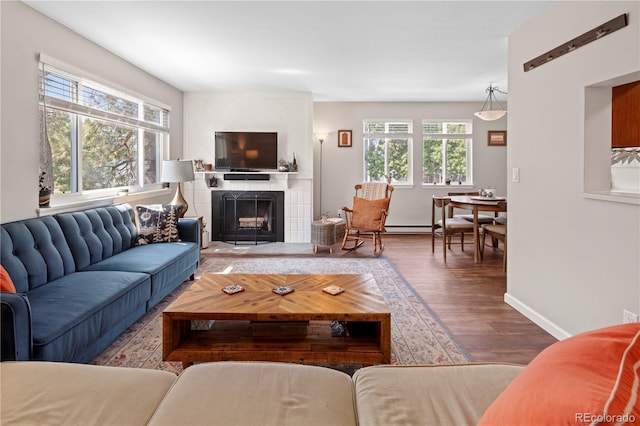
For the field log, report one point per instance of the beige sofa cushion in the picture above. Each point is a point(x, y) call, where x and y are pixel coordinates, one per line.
point(50, 393)
point(252, 393)
point(429, 395)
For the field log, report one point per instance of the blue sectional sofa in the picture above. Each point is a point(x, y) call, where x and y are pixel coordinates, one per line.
point(81, 280)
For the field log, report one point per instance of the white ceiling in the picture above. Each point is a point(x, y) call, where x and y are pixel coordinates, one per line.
point(338, 50)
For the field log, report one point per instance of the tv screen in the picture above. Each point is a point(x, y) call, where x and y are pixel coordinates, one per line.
point(246, 151)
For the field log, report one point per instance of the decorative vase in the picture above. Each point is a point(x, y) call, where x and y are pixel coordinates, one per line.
point(44, 198)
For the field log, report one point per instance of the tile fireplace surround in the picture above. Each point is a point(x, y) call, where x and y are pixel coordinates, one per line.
point(297, 200)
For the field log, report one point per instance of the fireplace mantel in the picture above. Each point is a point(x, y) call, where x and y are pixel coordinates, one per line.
point(298, 195)
point(275, 175)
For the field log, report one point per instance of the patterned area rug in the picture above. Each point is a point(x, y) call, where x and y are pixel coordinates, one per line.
point(417, 336)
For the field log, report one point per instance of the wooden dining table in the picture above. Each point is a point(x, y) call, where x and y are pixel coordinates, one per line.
point(477, 204)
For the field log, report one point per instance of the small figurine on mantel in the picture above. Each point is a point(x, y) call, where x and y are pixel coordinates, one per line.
point(283, 165)
point(294, 164)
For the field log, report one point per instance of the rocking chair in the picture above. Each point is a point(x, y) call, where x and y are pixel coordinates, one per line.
point(365, 221)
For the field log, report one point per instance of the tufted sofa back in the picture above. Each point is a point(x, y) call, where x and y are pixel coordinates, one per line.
point(34, 252)
point(39, 250)
point(96, 234)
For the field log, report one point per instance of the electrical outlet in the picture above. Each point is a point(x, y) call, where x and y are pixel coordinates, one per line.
point(628, 317)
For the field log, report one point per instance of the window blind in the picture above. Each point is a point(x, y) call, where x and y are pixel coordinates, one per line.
point(385, 127)
point(64, 91)
point(447, 128)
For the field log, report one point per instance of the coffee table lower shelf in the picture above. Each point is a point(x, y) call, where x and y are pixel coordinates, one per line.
point(233, 341)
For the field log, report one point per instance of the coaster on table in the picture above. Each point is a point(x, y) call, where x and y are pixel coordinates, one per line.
point(333, 290)
point(233, 289)
point(282, 290)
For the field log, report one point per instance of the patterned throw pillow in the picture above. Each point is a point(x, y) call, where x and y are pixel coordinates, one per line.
point(157, 223)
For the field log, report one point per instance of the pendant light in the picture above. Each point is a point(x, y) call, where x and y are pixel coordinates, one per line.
point(490, 113)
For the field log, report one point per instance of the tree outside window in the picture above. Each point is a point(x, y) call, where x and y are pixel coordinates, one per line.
point(95, 137)
point(446, 151)
point(387, 150)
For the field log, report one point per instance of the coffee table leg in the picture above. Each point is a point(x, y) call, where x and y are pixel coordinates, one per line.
point(174, 332)
point(385, 339)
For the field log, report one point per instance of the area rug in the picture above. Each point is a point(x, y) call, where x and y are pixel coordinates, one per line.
point(417, 336)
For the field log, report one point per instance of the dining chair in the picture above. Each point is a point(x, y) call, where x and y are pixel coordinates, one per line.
point(482, 218)
point(366, 219)
point(447, 226)
point(497, 231)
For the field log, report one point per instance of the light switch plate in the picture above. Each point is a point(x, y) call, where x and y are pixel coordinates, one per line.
point(515, 175)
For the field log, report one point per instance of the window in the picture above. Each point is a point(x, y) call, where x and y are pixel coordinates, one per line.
point(96, 137)
point(387, 150)
point(446, 151)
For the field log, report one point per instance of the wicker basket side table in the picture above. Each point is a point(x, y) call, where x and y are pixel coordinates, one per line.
point(323, 234)
point(340, 228)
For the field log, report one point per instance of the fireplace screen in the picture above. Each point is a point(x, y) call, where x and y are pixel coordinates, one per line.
point(250, 216)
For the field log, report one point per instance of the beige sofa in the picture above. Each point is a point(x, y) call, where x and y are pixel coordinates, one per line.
point(248, 393)
point(590, 378)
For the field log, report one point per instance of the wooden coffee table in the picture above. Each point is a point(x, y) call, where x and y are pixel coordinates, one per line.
point(231, 338)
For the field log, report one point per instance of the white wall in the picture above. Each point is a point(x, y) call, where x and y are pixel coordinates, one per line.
point(573, 260)
point(288, 113)
point(342, 167)
point(24, 34)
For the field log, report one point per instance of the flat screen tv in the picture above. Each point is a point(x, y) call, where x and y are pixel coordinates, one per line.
point(246, 151)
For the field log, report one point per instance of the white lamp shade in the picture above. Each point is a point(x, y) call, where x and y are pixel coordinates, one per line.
point(177, 171)
point(321, 136)
point(490, 115)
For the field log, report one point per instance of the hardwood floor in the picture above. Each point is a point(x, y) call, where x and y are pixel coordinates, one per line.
point(467, 298)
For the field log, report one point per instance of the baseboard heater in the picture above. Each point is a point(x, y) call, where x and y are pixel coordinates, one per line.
point(245, 176)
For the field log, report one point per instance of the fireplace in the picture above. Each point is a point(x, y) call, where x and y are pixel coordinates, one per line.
point(247, 216)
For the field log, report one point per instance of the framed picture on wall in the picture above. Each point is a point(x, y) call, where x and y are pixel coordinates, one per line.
point(344, 138)
point(497, 138)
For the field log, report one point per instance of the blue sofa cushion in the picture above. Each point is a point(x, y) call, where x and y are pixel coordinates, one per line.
point(165, 262)
point(34, 252)
point(69, 313)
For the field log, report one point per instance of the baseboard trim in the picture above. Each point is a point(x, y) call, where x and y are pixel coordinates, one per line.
point(409, 229)
point(540, 320)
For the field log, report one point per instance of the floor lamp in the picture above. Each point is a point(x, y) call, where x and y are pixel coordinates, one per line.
point(321, 137)
point(178, 171)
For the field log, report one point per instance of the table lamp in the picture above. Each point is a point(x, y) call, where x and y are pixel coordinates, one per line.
point(178, 171)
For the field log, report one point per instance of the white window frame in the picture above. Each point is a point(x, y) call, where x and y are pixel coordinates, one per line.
point(444, 137)
point(80, 111)
point(387, 135)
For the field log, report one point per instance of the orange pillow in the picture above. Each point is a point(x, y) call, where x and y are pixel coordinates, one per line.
point(6, 283)
point(590, 377)
point(367, 214)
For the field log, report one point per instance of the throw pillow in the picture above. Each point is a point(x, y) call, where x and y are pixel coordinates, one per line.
point(591, 378)
point(157, 223)
point(6, 283)
point(367, 214)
